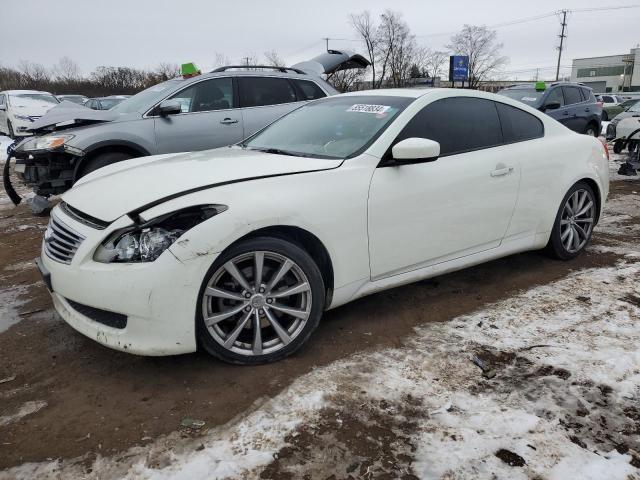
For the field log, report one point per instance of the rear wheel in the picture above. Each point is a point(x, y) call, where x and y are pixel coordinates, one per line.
point(591, 130)
point(259, 302)
point(574, 223)
point(100, 161)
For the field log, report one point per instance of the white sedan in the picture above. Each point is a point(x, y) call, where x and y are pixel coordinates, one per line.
point(241, 249)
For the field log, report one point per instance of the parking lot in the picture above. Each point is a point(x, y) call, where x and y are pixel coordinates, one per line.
point(558, 343)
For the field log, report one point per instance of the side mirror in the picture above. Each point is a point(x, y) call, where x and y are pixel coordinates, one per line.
point(551, 106)
point(415, 150)
point(169, 107)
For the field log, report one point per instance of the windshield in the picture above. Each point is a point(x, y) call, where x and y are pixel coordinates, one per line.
point(79, 99)
point(24, 99)
point(634, 108)
point(108, 103)
point(526, 95)
point(144, 100)
point(335, 127)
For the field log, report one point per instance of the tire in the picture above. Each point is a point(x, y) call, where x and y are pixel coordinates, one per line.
point(571, 233)
point(100, 161)
point(605, 116)
point(618, 146)
point(281, 333)
point(11, 133)
point(592, 130)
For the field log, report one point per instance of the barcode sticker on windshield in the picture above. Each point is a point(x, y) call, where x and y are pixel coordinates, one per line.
point(364, 108)
point(529, 99)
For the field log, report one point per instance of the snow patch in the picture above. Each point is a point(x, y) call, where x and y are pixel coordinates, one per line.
point(29, 408)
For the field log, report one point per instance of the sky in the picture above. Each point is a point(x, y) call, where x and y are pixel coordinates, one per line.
point(144, 33)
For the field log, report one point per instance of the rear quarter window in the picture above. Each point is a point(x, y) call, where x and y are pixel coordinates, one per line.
point(572, 95)
point(308, 90)
point(262, 91)
point(518, 125)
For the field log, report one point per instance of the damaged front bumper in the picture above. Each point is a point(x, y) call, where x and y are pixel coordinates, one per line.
point(47, 172)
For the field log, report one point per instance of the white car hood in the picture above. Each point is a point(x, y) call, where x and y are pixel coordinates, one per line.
point(113, 191)
point(32, 109)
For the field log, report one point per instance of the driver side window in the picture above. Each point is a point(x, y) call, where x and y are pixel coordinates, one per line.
point(207, 96)
point(555, 96)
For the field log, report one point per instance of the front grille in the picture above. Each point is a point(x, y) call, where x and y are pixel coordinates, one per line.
point(60, 241)
point(110, 319)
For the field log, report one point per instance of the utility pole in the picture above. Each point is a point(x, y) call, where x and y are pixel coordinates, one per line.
point(562, 37)
point(326, 39)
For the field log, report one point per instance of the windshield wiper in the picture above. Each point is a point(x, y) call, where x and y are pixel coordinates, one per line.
point(275, 151)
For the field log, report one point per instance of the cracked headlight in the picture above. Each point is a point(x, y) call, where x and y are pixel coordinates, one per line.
point(46, 142)
point(146, 242)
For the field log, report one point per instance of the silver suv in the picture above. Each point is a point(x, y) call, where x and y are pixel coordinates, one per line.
point(182, 114)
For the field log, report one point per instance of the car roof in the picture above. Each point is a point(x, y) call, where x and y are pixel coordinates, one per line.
point(24, 91)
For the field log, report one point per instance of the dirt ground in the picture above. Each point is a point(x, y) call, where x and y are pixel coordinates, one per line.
point(94, 401)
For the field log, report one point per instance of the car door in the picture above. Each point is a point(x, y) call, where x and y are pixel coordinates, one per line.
point(578, 112)
point(209, 118)
point(562, 113)
point(3, 113)
point(264, 99)
point(431, 212)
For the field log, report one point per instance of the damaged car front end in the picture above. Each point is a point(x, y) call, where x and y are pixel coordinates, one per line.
point(47, 163)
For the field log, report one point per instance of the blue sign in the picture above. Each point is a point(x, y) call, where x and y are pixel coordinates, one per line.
point(458, 68)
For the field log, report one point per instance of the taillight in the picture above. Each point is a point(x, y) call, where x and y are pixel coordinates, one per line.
point(606, 147)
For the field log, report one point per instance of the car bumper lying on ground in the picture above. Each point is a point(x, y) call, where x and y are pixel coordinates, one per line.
point(137, 308)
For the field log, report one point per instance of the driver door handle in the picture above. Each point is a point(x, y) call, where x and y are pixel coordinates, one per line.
point(228, 121)
point(501, 171)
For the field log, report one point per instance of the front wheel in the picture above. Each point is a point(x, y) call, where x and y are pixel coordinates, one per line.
point(260, 302)
point(618, 146)
point(574, 223)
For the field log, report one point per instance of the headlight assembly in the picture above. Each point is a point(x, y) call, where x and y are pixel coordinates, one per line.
point(146, 242)
point(46, 142)
point(24, 118)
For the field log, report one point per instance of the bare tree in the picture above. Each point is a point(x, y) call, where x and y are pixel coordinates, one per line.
point(220, 60)
point(434, 62)
point(67, 71)
point(273, 59)
point(34, 74)
point(396, 46)
point(365, 27)
point(346, 80)
point(166, 71)
point(481, 46)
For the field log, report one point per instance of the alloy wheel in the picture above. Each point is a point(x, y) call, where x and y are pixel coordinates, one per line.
point(576, 223)
point(256, 303)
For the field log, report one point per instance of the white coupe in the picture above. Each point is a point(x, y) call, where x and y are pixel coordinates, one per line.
point(241, 249)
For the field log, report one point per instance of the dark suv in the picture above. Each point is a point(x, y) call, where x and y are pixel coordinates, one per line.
point(572, 104)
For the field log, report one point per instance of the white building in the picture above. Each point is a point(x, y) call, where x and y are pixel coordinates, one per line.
point(613, 73)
